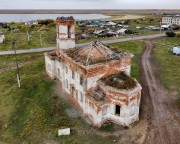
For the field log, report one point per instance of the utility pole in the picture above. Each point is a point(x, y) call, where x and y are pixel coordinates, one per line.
point(28, 35)
point(40, 38)
point(17, 67)
point(160, 20)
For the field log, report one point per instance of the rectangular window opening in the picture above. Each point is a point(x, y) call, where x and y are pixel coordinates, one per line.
point(69, 32)
point(73, 75)
point(81, 81)
point(66, 83)
point(104, 110)
point(81, 95)
point(66, 69)
point(117, 110)
point(73, 92)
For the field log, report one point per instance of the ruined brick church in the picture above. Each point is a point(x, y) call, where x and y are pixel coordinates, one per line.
point(95, 79)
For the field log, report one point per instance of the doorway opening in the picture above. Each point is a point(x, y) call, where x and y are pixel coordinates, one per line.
point(117, 110)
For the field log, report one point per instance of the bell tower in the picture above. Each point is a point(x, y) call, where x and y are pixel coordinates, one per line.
point(65, 33)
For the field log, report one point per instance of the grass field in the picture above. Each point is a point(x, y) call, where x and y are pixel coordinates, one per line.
point(34, 112)
point(48, 35)
point(134, 47)
point(9, 60)
point(48, 39)
point(169, 63)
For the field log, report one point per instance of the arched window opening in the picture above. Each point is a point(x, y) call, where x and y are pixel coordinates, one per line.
point(69, 32)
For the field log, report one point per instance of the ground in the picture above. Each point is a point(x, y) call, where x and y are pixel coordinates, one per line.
point(124, 17)
point(37, 110)
point(164, 123)
point(48, 32)
point(134, 47)
point(9, 60)
point(169, 65)
point(48, 38)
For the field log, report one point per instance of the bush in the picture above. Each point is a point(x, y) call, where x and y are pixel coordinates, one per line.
point(176, 27)
point(178, 35)
point(107, 127)
point(126, 22)
point(12, 23)
point(170, 34)
point(45, 22)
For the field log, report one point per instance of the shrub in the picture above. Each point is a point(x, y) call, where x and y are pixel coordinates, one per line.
point(120, 81)
point(107, 127)
point(126, 22)
point(178, 35)
point(170, 34)
point(45, 22)
point(176, 27)
point(12, 23)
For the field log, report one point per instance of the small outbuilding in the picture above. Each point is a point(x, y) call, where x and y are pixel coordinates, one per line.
point(2, 38)
point(110, 24)
point(166, 27)
point(176, 50)
point(121, 31)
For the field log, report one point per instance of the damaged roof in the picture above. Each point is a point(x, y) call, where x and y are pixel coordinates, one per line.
point(98, 97)
point(95, 52)
point(120, 81)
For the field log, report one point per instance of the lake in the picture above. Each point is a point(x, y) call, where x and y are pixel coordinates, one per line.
point(29, 17)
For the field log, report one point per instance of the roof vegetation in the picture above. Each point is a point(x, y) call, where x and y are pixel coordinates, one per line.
point(120, 81)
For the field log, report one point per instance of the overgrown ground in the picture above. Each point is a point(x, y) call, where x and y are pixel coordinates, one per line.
point(47, 39)
point(34, 112)
point(48, 34)
point(9, 60)
point(134, 47)
point(169, 64)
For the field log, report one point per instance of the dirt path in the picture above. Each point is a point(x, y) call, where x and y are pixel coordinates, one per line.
point(165, 127)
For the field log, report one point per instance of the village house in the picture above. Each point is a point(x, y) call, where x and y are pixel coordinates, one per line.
point(171, 20)
point(95, 79)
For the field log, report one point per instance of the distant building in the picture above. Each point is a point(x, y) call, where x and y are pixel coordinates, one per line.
point(2, 38)
point(94, 78)
point(166, 27)
point(29, 23)
point(171, 20)
point(121, 31)
point(110, 23)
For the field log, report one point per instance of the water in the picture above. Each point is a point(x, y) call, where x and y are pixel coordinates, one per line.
point(29, 17)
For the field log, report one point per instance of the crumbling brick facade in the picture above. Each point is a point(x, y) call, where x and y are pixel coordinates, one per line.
point(83, 73)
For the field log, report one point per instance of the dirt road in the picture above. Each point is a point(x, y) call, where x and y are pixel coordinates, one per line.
point(165, 122)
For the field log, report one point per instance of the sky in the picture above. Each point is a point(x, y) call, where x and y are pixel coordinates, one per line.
point(89, 4)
